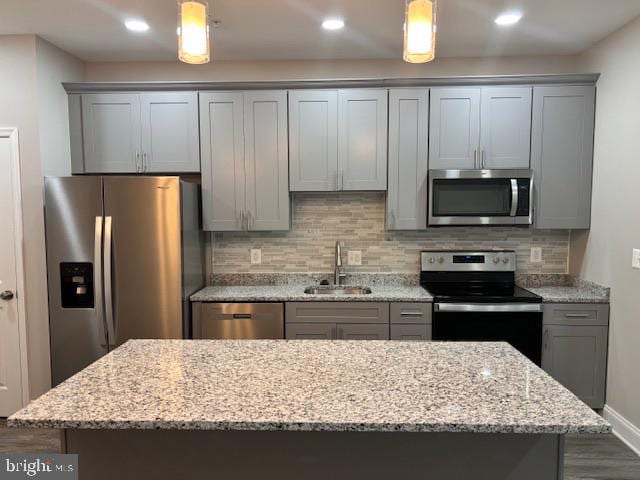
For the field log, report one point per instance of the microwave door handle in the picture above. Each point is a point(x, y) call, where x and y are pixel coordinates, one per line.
point(514, 197)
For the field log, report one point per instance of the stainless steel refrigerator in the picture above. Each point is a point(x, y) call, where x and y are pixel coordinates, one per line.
point(124, 253)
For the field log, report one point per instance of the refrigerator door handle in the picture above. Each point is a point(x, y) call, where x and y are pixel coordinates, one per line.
point(97, 262)
point(108, 282)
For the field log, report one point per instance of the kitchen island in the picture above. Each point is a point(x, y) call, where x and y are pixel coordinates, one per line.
point(313, 409)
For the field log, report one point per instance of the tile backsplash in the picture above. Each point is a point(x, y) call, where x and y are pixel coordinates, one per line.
point(357, 220)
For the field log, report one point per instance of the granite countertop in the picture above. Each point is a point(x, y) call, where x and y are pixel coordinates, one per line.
point(295, 293)
point(581, 291)
point(313, 385)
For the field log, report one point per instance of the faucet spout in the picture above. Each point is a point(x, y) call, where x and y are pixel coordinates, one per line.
point(338, 274)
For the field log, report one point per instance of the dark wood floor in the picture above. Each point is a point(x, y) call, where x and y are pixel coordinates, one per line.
point(587, 457)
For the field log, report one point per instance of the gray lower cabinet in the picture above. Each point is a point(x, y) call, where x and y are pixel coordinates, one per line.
point(243, 139)
point(134, 132)
point(575, 342)
point(337, 320)
point(410, 321)
point(562, 155)
point(408, 159)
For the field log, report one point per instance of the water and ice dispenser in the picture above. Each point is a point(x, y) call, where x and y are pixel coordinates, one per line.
point(76, 280)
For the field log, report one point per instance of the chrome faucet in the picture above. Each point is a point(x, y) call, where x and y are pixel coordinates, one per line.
point(338, 274)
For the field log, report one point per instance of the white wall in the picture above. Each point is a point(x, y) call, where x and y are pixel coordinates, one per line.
point(296, 70)
point(604, 253)
point(23, 78)
point(54, 66)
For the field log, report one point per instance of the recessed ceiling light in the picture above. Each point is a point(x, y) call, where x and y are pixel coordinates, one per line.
point(136, 25)
point(333, 23)
point(508, 18)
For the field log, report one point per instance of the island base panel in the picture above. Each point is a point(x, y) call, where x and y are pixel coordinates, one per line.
point(171, 454)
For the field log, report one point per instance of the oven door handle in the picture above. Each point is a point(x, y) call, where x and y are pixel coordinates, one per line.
point(487, 307)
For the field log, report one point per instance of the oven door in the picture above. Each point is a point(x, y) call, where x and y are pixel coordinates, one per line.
point(519, 324)
point(480, 197)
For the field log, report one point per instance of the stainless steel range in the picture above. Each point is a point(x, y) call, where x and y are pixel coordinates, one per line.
point(476, 299)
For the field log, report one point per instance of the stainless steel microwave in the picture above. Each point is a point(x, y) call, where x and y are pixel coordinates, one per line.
point(480, 197)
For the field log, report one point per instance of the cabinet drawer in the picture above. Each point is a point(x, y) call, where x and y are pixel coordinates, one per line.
point(310, 331)
point(363, 331)
point(413, 331)
point(337, 312)
point(407, 313)
point(576, 314)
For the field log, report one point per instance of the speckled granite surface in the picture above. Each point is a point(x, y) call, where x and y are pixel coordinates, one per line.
point(567, 289)
point(295, 293)
point(314, 386)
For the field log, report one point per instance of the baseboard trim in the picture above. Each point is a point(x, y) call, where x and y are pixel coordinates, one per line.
point(623, 429)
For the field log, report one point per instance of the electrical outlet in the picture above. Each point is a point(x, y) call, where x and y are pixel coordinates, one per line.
point(354, 257)
point(536, 255)
point(256, 256)
point(635, 261)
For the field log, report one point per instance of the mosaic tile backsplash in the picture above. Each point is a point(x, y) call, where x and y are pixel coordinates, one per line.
point(357, 220)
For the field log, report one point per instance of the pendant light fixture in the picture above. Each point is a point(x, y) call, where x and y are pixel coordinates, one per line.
point(420, 31)
point(193, 31)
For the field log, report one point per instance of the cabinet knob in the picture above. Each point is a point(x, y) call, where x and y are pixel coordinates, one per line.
point(6, 295)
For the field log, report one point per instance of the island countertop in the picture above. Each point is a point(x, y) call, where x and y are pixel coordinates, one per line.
point(311, 385)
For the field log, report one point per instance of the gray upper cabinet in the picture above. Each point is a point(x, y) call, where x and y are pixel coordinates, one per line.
point(338, 139)
point(454, 134)
point(562, 155)
point(170, 141)
point(222, 146)
point(505, 127)
point(408, 159)
point(362, 139)
point(136, 132)
point(266, 160)
point(244, 160)
point(111, 132)
point(473, 128)
point(313, 140)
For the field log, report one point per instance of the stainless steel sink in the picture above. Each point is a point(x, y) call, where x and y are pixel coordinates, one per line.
point(337, 290)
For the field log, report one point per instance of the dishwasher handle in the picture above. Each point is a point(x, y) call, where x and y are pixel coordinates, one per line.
point(242, 315)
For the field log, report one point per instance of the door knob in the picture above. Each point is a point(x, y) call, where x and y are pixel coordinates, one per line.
point(6, 295)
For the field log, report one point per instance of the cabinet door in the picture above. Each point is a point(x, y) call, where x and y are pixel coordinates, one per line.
point(413, 331)
point(170, 140)
point(562, 155)
point(505, 127)
point(362, 139)
point(454, 134)
point(266, 160)
point(310, 331)
point(111, 129)
point(222, 146)
point(408, 159)
point(577, 358)
point(313, 140)
point(363, 331)
point(337, 312)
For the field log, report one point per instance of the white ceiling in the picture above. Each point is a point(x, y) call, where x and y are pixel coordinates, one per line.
point(290, 29)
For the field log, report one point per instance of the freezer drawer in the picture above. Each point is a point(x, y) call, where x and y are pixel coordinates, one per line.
point(238, 320)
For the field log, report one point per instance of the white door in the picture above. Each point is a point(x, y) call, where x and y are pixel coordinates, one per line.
point(10, 341)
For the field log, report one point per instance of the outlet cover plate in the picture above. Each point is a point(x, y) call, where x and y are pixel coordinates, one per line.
point(354, 257)
point(635, 261)
point(256, 256)
point(536, 255)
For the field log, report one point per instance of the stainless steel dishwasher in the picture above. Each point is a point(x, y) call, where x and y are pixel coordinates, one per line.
point(238, 320)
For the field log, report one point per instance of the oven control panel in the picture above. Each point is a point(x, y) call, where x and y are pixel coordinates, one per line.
point(468, 261)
